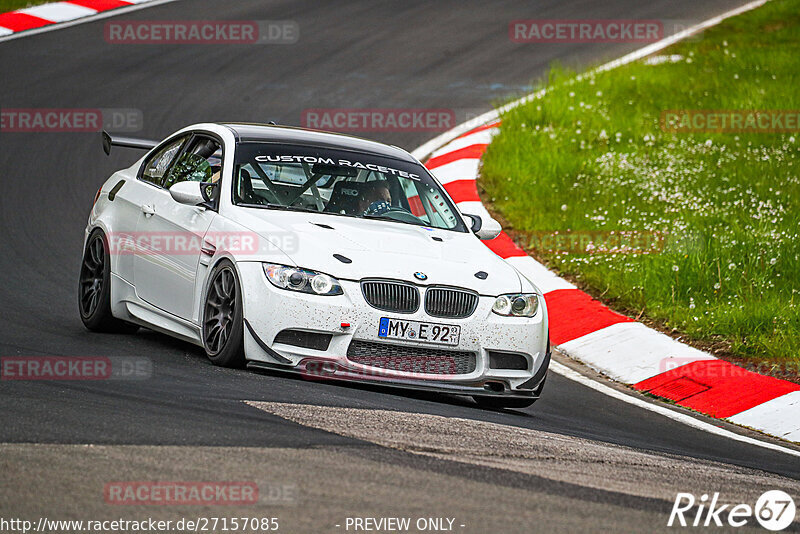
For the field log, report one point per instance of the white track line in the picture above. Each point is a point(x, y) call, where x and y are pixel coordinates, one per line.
point(688, 420)
point(91, 18)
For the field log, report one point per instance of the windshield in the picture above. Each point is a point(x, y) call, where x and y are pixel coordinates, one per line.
point(340, 183)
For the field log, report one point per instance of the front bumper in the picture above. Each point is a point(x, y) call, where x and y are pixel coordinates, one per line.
point(269, 310)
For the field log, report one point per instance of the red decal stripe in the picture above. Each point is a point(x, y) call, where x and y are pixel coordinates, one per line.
point(722, 389)
point(17, 22)
point(463, 190)
point(573, 313)
point(468, 152)
point(100, 5)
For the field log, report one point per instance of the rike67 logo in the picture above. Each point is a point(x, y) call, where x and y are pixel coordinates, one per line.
point(774, 510)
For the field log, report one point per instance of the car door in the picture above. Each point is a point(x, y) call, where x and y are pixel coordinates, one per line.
point(129, 196)
point(171, 234)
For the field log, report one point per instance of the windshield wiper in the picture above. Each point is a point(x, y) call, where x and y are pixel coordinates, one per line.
point(274, 206)
point(294, 208)
point(313, 210)
point(392, 219)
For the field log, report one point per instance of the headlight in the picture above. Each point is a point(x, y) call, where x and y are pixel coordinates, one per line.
point(303, 280)
point(516, 305)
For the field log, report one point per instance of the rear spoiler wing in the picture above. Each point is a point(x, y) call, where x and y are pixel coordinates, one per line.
point(128, 142)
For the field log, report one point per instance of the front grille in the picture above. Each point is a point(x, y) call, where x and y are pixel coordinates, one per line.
point(411, 359)
point(447, 302)
point(388, 296)
point(308, 340)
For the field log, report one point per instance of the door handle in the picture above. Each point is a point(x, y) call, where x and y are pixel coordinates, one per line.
point(148, 210)
point(208, 248)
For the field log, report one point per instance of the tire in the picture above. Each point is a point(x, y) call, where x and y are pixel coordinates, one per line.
point(223, 333)
point(94, 288)
point(498, 403)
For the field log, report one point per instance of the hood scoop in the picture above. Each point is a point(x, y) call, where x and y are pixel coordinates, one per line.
point(481, 275)
point(343, 259)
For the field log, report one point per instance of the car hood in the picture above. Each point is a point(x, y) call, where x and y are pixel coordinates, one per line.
point(379, 249)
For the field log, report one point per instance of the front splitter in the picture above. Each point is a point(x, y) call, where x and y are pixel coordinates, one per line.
point(327, 371)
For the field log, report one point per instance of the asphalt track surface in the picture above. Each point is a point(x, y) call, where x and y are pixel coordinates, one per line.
point(190, 419)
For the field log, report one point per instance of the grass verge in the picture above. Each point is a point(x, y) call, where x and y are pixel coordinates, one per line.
point(591, 158)
point(11, 5)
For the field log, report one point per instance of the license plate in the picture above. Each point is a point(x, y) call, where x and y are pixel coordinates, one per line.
point(440, 334)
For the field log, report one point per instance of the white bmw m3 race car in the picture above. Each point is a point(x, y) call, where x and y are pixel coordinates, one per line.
point(281, 248)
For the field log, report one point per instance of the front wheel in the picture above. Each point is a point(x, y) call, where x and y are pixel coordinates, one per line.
point(223, 335)
point(94, 288)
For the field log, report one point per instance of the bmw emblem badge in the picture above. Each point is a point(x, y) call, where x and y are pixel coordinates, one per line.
point(420, 276)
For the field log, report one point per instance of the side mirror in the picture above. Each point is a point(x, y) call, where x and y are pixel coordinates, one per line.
point(106, 143)
point(485, 230)
point(187, 192)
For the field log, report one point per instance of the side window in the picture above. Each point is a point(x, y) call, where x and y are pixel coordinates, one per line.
point(201, 162)
point(158, 164)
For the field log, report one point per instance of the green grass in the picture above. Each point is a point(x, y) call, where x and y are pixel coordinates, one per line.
point(11, 5)
point(591, 155)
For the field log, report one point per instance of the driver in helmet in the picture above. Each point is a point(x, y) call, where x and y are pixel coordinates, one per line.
point(377, 199)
